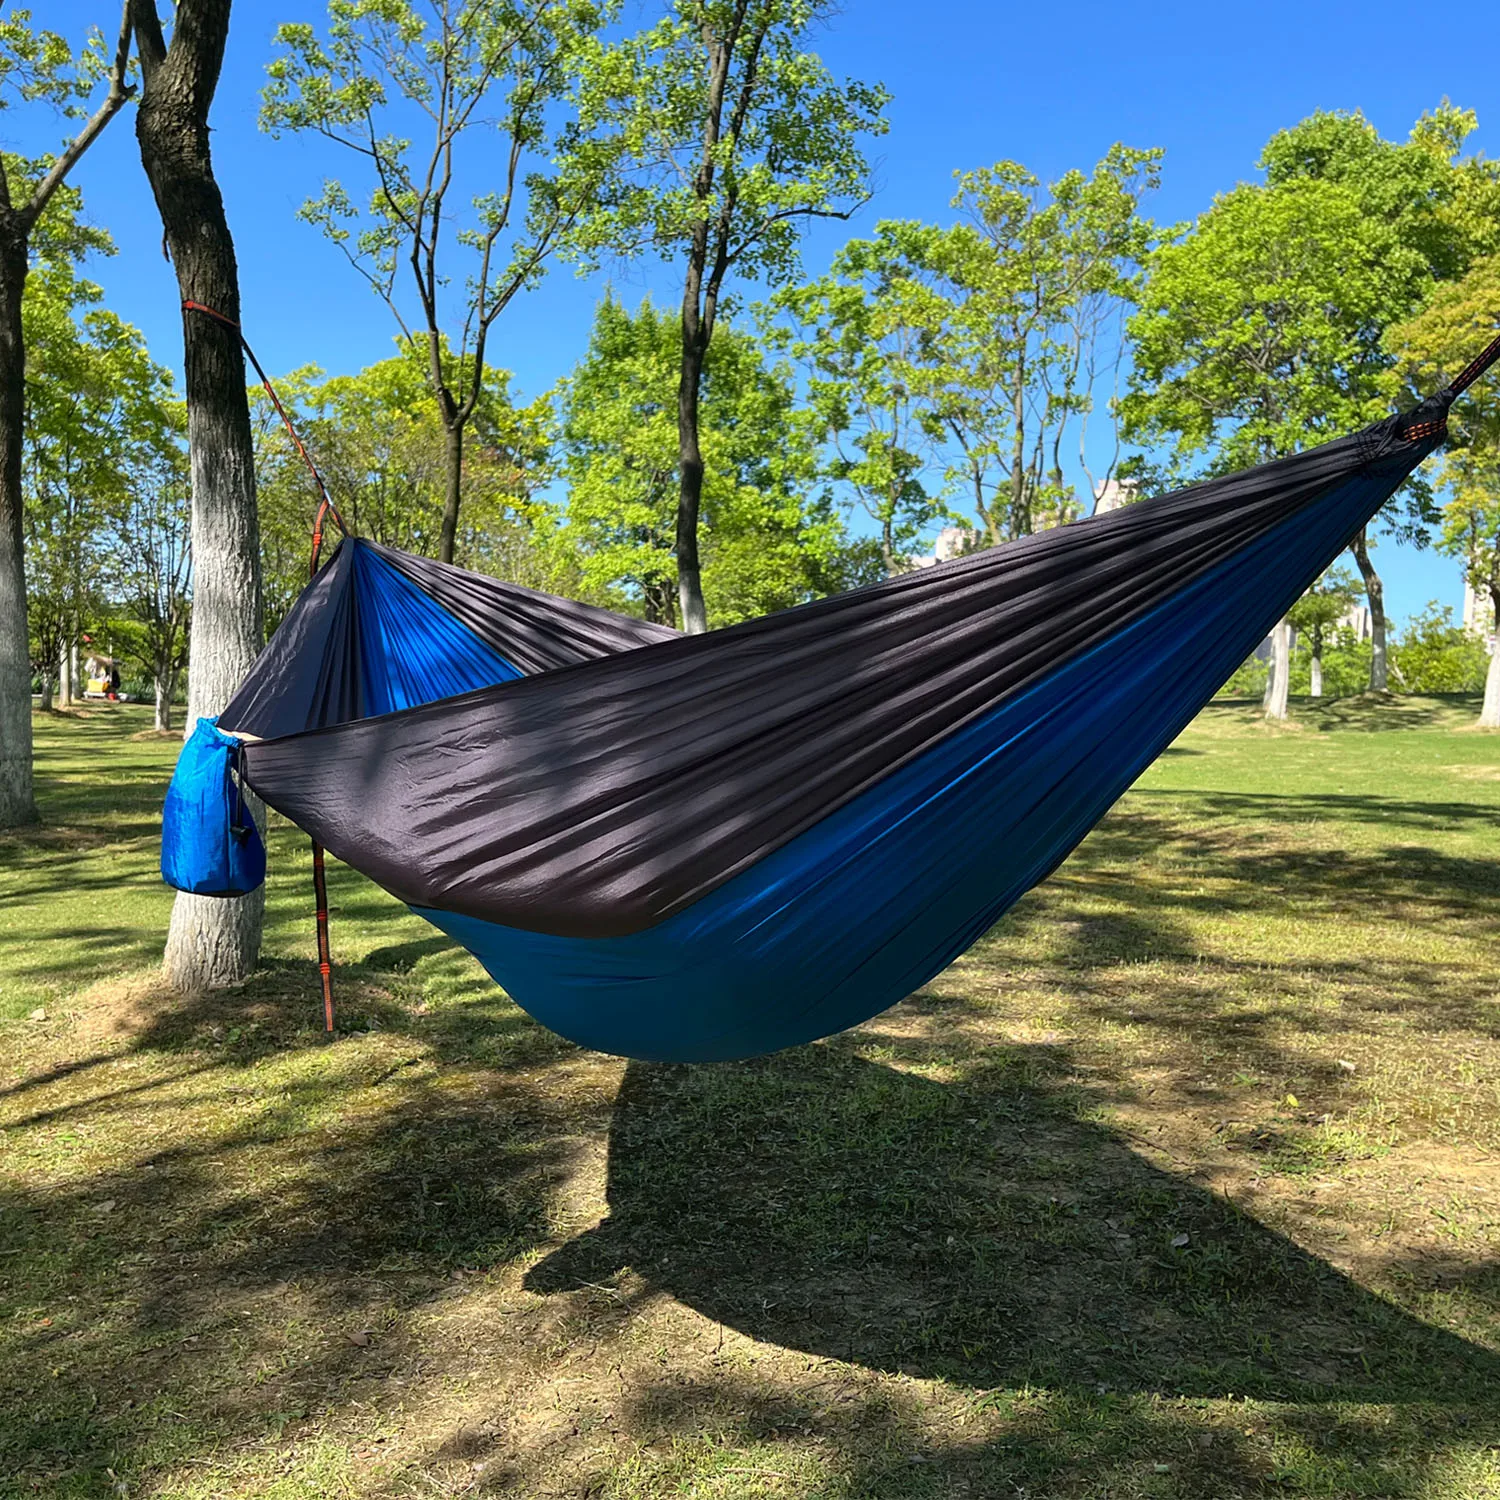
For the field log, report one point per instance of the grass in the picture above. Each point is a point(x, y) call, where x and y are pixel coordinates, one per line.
point(1183, 1183)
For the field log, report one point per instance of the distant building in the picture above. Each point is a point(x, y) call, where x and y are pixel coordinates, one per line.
point(952, 541)
point(1358, 619)
point(1479, 614)
point(1111, 494)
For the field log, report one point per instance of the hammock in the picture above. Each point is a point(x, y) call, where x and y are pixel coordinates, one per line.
point(695, 848)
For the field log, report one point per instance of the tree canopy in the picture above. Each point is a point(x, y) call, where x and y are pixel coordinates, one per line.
point(1436, 344)
point(771, 538)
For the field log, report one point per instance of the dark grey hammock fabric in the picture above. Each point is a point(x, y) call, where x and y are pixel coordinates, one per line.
point(637, 772)
point(310, 674)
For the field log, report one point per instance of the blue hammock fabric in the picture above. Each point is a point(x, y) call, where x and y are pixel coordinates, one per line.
point(696, 848)
point(411, 650)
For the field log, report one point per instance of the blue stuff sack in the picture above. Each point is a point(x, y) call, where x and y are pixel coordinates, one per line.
point(210, 845)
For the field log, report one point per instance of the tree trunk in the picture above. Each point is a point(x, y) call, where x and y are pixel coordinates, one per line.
point(1489, 713)
point(888, 546)
point(48, 687)
point(1317, 672)
point(690, 482)
point(64, 679)
point(660, 606)
point(1020, 501)
point(212, 942)
point(17, 804)
point(1375, 594)
point(453, 481)
point(1278, 681)
point(162, 719)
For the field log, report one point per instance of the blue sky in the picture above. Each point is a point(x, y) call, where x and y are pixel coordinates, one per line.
point(1051, 86)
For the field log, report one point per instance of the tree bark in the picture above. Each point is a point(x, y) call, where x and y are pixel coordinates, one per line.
point(1375, 594)
point(1317, 671)
point(453, 484)
point(17, 801)
point(700, 290)
point(212, 942)
point(162, 718)
point(1020, 501)
point(64, 679)
point(690, 472)
point(888, 543)
point(660, 607)
point(1279, 679)
point(1489, 713)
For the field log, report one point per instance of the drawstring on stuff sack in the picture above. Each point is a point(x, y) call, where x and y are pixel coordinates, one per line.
point(326, 508)
point(237, 823)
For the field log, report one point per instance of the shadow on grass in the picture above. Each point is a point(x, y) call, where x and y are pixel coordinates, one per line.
point(1380, 713)
point(981, 1231)
point(984, 1229)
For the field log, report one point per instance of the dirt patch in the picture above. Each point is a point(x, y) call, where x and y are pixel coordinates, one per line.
point(117, 1008)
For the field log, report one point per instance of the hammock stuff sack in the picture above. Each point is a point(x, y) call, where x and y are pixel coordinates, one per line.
point(694, 848)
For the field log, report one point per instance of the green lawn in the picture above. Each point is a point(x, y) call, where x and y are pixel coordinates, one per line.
point(1184, 1183)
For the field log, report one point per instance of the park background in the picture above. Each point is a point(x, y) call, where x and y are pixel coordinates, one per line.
point(970, 85)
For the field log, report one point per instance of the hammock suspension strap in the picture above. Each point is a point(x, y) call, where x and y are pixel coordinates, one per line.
point(1476, 367)
point(326, 509)
point(1431, 418)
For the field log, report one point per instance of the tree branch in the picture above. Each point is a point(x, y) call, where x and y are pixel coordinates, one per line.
point(150, 45)
point(114, 101)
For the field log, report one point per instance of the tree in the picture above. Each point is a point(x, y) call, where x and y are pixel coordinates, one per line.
point(619, 460)
point(285, 497)
point(723, 139)
point(1315, 614)
point(211, 942)
point(863, 333)
point(1344, 658)
point(1471, 531)
point(1259, 331)
point(482, 68)
point(62, 458)
point(1442, 211)
point(769, 540)
point(97, 422)
point(35, 67)
point(1031, 289)
point(379, 439)
point(1435, 345)
point(153, 574)
point(1433, 655)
